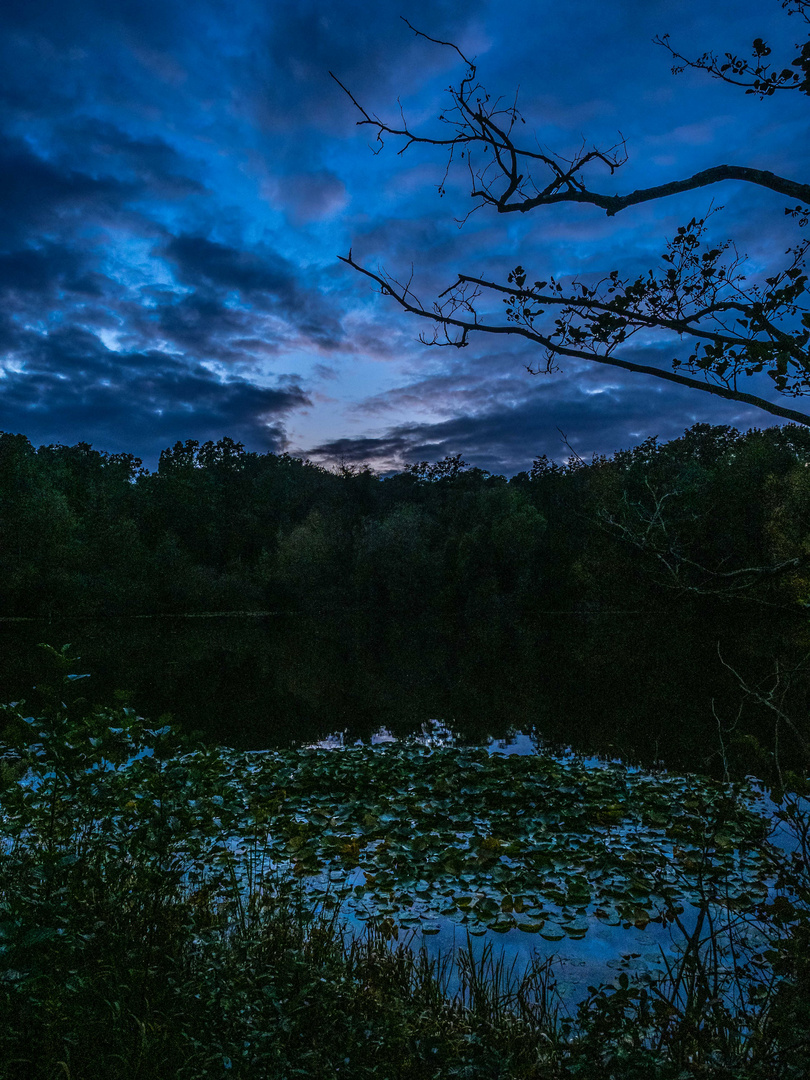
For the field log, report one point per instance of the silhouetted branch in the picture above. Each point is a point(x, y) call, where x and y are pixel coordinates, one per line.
point(446, 322)
point(757, 75)
point(732, 330)
point(504, 178)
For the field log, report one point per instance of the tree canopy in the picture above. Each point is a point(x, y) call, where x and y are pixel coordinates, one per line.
point(697, 301)
point(606, 584)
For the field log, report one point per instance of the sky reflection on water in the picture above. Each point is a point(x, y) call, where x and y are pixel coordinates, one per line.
point(599, 955)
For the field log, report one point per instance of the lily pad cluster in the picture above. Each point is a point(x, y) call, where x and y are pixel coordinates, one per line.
point(404, 834)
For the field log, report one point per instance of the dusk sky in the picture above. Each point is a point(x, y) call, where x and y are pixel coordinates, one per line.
point(179, 177)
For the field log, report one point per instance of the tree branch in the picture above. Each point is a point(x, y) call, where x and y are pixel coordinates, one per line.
point(613, 204)
point(683, 325)
point(474, 121)
point(406, 300)
point(772, 699)
point(734, 330)
point(722, 582)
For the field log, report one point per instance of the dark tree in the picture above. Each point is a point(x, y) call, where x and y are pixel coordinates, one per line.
point(697, 298)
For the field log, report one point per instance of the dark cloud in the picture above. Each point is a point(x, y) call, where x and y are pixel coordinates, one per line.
point(506, 442)
point(366, 46)
point(36, 193)
point(70, 385)
point(311, 196)
point(176, 181)
point(506, 424)
point(265, 281)
point(200, 261)
point(159, 167)
point(202, 324)
point(76, 22)
point(39, 269)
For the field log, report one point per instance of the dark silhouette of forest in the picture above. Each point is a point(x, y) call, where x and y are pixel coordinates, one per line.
point(636, 599)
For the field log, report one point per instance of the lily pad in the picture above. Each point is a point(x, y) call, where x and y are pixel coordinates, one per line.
point(578, 927)
point(500, 926)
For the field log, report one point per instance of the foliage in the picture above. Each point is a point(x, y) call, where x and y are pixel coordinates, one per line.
point(217, 527)
point(697, 295)
point(501, 841)
point(574, 567)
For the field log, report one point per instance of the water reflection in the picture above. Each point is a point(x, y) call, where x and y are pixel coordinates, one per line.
point(599, 951)
point(596, 957)
point(291, 680)
point(333, 686)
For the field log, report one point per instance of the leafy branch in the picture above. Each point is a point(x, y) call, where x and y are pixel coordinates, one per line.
point(697, 295)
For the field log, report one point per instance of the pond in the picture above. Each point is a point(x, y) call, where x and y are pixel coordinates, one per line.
point(538, 854)
point(482, 828)
point(283, 680)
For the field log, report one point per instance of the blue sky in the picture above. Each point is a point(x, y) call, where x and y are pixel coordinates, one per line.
point(178, 178)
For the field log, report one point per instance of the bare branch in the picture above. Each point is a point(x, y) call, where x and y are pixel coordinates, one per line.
point(697, 295)
point(613, 204)
point(438, 41)
point(506, 181)
point(771, 699)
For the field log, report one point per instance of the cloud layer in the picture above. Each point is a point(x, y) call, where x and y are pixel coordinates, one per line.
point(176, 182)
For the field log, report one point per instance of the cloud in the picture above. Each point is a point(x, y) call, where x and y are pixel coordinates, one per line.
point(177, 179)
point(506, 441)
point(264, 280)
point(40, 269)
point(36, 194)
point(310, 196)
point(71, 385)
point(200, 261)
point(502, 423)
point(160, 168)
point(367, 46)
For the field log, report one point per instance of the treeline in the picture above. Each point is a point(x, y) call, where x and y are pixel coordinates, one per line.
point(716, 514)
point(632, 603)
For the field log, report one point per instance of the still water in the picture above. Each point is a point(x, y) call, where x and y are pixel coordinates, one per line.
point(287, 680)
point(596, 958)
point(280, 681)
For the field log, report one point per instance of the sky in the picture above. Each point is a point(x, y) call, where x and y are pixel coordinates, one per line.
point(179, 177)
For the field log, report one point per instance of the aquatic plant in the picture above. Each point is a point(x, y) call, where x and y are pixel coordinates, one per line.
point(169, 909)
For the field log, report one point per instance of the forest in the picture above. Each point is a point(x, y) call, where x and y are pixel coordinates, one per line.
point(434, 774)
point(669, 565)
point(193, 884)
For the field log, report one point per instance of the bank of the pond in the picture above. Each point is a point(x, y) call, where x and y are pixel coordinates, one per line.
point(188, 900)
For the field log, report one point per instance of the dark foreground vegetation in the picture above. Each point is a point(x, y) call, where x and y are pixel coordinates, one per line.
point(147, 931)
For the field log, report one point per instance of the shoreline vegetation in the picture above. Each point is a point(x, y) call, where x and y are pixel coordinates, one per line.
point(173, 908)
point(154, 920)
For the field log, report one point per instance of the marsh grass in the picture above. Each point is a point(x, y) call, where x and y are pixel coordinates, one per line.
point(138, 940)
